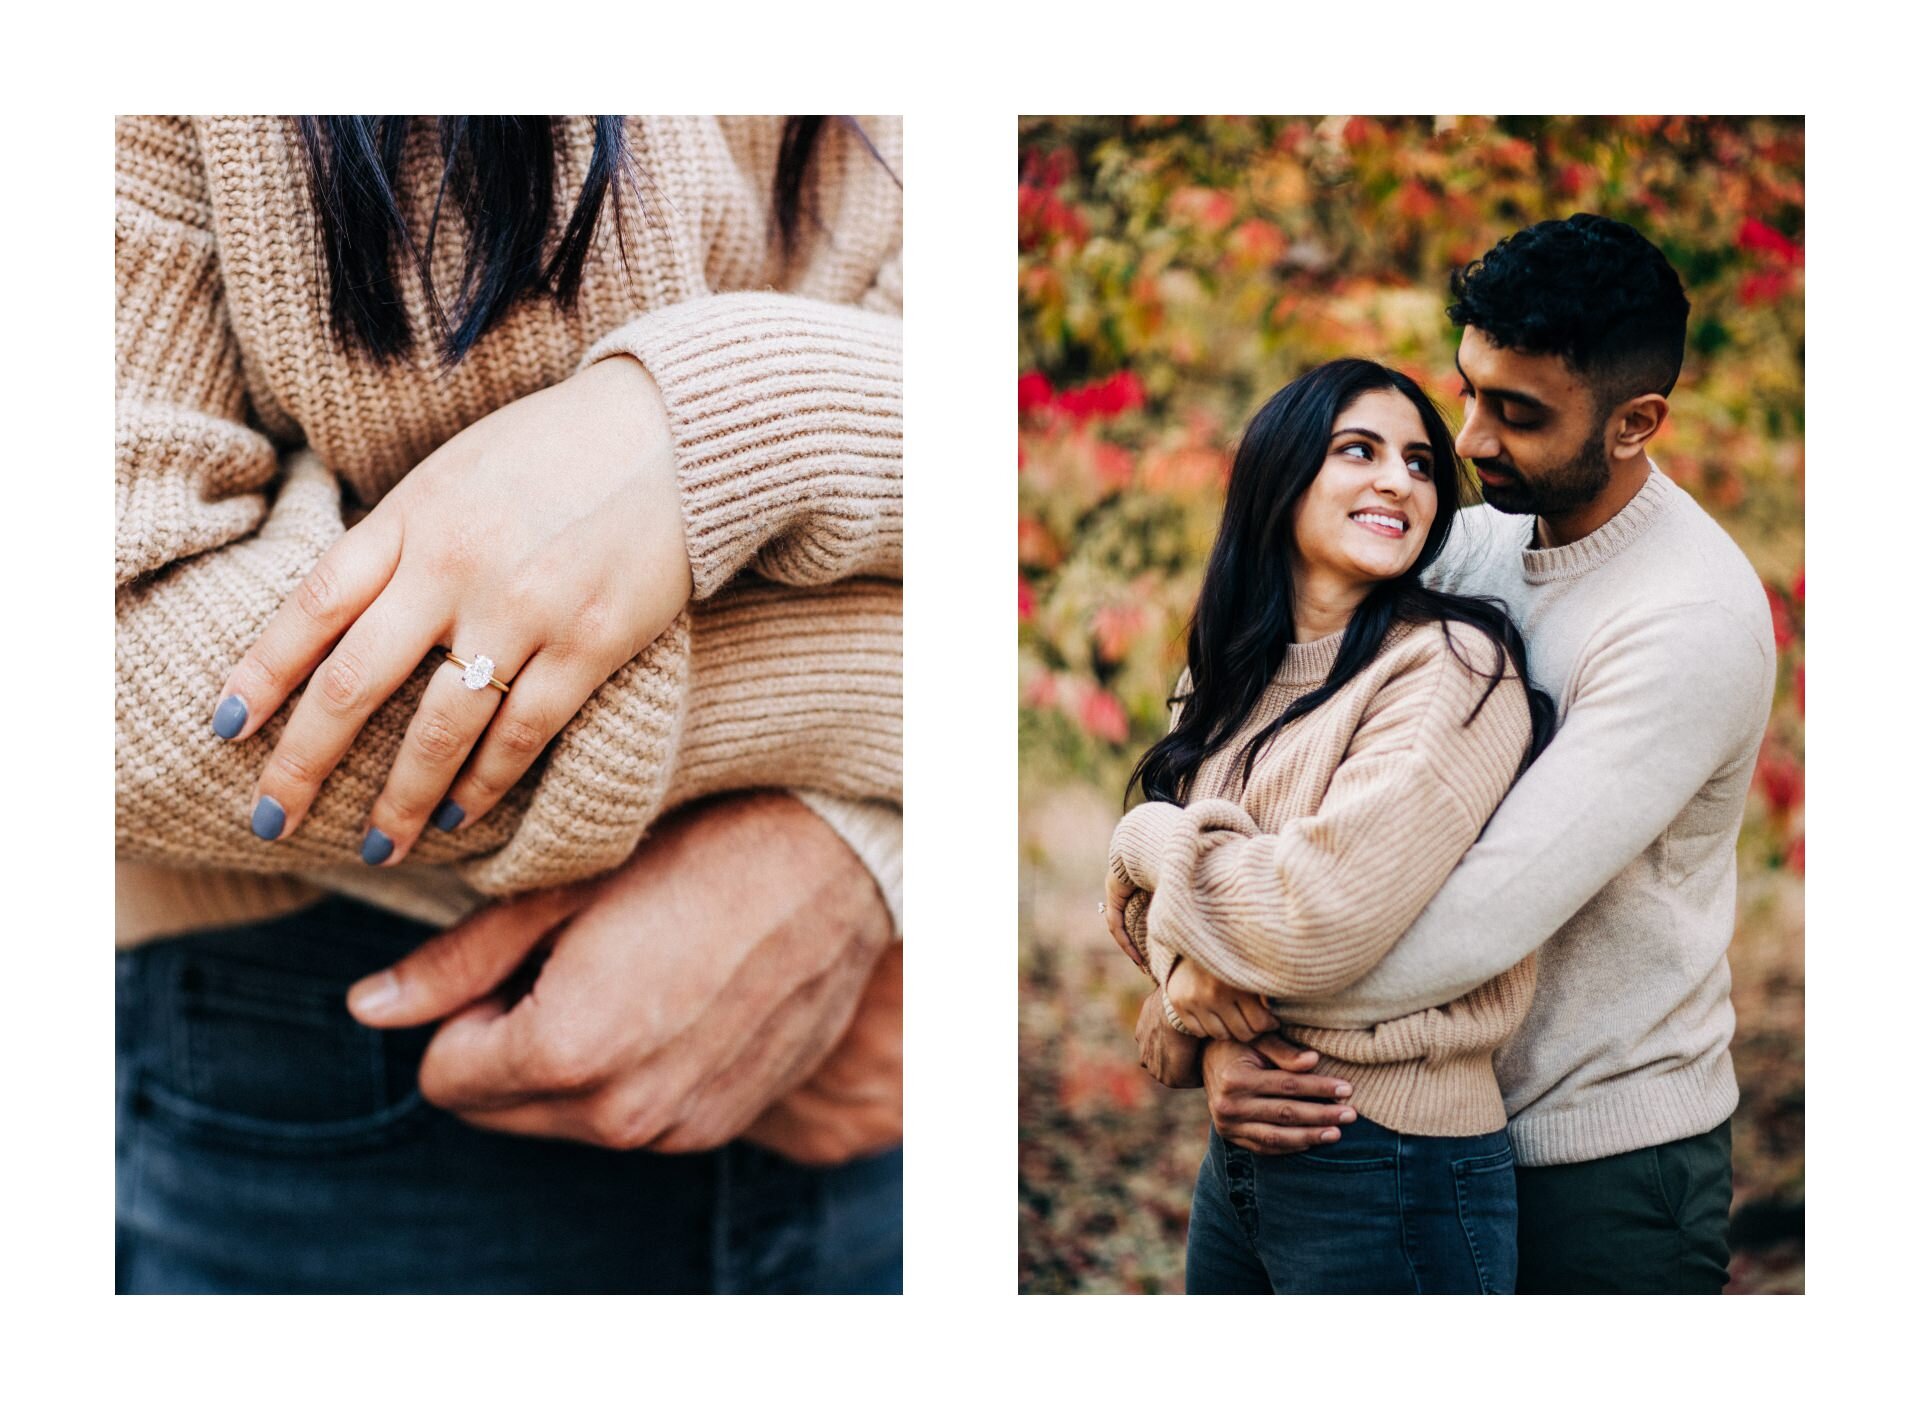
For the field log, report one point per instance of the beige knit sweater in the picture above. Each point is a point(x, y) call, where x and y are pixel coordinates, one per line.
point(247, 438)
point(1298, 881)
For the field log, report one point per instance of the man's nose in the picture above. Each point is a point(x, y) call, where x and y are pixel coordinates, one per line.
point(1476, 440)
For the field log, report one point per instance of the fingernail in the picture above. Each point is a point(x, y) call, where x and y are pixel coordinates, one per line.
point(230, 718)
point(376, 847)
point(1346, 1116)
point(1343, 1090)
point(1309, 1057)
point(268, 818)
point(1329, 1135)
point(447, 816)
point(375, 995)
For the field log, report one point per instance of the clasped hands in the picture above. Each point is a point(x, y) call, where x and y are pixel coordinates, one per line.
point(1261, 1091)
point(681, 1002)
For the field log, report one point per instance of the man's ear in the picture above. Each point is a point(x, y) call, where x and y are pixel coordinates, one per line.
point(1635, 421)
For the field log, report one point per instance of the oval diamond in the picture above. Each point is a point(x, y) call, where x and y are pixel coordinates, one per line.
point(478, 673)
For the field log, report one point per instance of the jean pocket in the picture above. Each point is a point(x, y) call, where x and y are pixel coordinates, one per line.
point(249, 1055)
point(1363, 1145)
point(1489, 1207)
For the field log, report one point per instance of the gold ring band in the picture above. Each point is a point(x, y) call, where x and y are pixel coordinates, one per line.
point(478, 673)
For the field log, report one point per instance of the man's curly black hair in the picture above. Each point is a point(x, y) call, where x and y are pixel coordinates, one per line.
point(1593, 290)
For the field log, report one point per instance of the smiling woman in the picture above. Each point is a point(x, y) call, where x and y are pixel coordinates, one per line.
point(1324, 772)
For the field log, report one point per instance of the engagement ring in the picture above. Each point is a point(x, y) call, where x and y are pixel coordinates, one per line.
point(478, 673)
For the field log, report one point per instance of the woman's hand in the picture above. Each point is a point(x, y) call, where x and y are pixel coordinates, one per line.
point(546, 536)
point(1214, 1007)
point(1118, 894)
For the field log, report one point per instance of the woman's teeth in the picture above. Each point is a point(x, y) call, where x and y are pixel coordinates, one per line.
point(1380, 521)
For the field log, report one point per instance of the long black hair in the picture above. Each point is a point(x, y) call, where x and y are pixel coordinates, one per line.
point(1243, 622)
point(499, 172)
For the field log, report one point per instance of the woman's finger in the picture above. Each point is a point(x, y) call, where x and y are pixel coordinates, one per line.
point(348, 577)
point(1257, 1016)
point(545, 695)
point(378, 652)
point(1204, 1021)
point(449, 722)
point(1236, 1025)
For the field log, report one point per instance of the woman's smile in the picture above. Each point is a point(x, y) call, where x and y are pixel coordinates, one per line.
point(1389, 522)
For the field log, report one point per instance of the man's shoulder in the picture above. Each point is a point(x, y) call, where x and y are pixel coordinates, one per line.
point(1483, 546)
point(1688, 561)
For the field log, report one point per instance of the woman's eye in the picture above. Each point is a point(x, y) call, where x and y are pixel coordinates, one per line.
point(1365, 450)
point(1420, 466)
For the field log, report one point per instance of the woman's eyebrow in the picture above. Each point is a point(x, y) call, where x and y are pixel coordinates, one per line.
point(1373, 436)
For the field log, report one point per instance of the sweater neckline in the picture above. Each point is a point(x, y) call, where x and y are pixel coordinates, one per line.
point(1568, 560)
point(1309, 662)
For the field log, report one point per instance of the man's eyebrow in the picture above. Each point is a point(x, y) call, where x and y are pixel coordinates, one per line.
point(1502, 393)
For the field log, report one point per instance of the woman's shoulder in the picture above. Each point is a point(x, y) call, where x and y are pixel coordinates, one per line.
point(1434, 664)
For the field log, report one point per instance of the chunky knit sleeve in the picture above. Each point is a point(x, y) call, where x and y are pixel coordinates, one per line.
point(1304, 911)
point(785, 405)
point(765, 685)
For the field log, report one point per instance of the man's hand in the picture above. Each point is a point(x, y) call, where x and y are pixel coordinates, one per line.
point(1263, 1097)
point(1172, 1059)
point(850, 1107)
point(684, 994)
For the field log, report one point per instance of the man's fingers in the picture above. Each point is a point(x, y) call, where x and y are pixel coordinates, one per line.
point(1279, 1140)
point(463, 964)
point(1268, 1111)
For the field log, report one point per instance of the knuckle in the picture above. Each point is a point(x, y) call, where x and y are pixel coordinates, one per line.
point(318, 595)
point(343, 682)
point(519, 737)
point(297, 770)
point(560, 1060)
point(436, 738)
point(257, 676)
point(624, 1127)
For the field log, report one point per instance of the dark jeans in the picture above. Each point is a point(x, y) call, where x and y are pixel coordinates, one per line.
point(1647, 1221)
point(1376, 1212)
point(266, 1142)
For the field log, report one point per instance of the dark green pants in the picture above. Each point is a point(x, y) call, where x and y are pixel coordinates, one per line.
point(1646, 1221)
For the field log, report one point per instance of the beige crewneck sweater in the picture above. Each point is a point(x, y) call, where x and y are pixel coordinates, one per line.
point(1613, 856)
point(241, 423)
point(1298, 881)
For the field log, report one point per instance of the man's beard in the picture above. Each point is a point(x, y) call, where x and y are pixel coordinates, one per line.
point(1573, 486)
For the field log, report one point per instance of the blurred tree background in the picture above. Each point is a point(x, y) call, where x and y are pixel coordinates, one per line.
point(1173, 273)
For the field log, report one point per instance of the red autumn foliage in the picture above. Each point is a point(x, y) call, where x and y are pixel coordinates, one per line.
point(1782, 619)
point(1121, 392)
point(1035, 392)
point(1103, 717)
point(1782, 781)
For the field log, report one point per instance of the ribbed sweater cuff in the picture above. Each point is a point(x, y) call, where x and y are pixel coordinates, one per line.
point(785, 414)
point(1142, 838)
point(872, 831)
point(1630, 1115)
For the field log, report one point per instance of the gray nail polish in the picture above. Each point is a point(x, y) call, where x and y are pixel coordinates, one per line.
point(376, 848)
point(230, 718)
point(447, 816)
point(268, 818)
